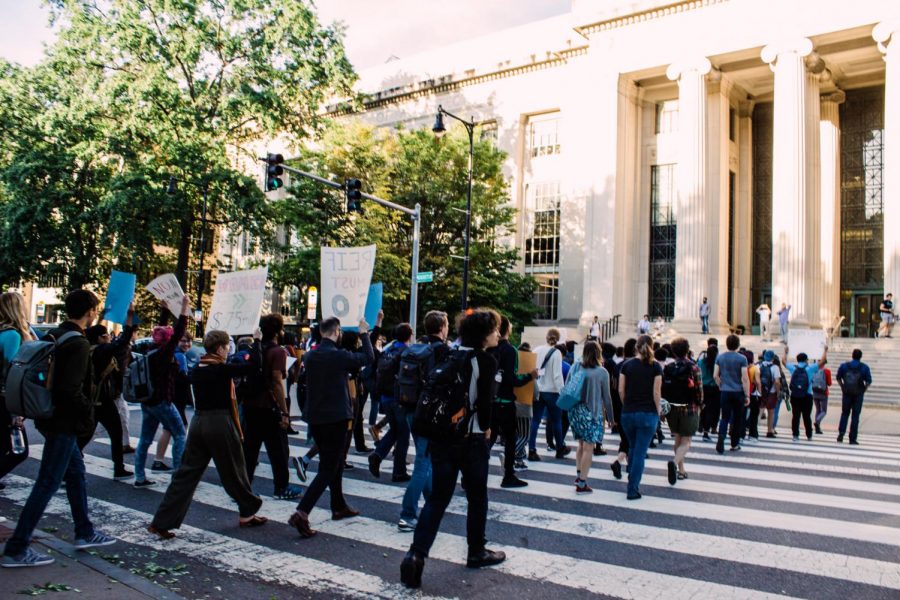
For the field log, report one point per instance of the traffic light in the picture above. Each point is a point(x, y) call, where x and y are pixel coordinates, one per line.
point(354, 195)
point(274, 171)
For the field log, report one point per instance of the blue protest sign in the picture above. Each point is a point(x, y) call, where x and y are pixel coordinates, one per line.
point(119, 296)
point(373, 305)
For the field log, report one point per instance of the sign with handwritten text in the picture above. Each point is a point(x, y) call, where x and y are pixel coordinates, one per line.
point(166, 288)
point(346, 276)
point(237, 301)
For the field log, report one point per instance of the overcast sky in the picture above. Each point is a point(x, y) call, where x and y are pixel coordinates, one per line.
point(376, 29)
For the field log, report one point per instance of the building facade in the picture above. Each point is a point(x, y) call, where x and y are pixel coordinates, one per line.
point(747, 151)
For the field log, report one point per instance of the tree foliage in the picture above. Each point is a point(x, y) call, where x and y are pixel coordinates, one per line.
point(409, 167)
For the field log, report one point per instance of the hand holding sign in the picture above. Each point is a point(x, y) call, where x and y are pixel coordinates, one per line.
point(119, 295)
point(167, 290)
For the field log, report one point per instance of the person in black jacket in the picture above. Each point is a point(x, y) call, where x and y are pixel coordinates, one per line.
point(107, 358)
point(330, 416)
point(215, 434)
point(503, 414)
point(468, 454)
point(62, 460)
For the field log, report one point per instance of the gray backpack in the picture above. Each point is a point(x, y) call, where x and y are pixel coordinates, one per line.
point(29, 380)
point(138, 385)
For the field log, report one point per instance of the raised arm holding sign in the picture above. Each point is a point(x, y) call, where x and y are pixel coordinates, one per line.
point(166, 288)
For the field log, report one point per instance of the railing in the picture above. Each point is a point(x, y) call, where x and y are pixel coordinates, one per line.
point(609, 328)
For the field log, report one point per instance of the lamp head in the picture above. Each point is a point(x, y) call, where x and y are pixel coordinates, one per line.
point(172, 187)
point(438, 127)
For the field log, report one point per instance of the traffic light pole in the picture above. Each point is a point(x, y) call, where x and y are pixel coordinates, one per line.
point(414, 213)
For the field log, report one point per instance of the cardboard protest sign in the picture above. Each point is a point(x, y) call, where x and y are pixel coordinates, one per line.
point(527, 362)
point(119, 295)
point(166, 288)
point(346, 276)
point(373, 304)
point(810, 341)
point(237, 301)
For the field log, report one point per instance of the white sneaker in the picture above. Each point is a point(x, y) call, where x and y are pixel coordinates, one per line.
point(751, 440)
point(795, 439)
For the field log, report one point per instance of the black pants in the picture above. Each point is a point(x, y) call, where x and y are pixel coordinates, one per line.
point(709, 416)
point(617, 416)
point(262, 426)
point(503, 420)
point(359, 438)
point(108, 415)
point(331, 439)
point(469, 456)
point(9, 460)
point(753, 419)
point(802, 407)
point(733, 414)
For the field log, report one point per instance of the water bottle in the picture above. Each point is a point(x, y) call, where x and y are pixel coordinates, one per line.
point(17, 440)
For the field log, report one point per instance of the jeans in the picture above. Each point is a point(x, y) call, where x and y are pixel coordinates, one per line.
point(753, 417)
point(470, 456)
point(164, 414)
point(704, 324)
point(850, 405)
point(331, 439)
point(777, 410)
point(554, 420)
point(263, 426)
point(784, 331)
point(421, 477)
point(397, 436)
point(639, 428)
point(373, 407)
point(61, 461)
point(732, 404)
point(821, 408)
point(802, 408)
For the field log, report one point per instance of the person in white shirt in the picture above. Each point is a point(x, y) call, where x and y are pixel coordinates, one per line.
point(659, 326)
point(594, 335)
point(704, 316)
point(643, 325)
point(765, 315)
point(549, 383)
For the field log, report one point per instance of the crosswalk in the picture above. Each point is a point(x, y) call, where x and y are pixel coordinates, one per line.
point(778, 519)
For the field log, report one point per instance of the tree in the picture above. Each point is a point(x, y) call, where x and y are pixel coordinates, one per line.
point(134, 91)
point(409, 167)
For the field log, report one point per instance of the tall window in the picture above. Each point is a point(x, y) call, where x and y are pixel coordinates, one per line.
point(667, 116)
point(662, 241)
point(544, 136)
point(542, 244)
point(761, 228)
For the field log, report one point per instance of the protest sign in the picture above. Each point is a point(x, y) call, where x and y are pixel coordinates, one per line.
point(119, 295)
point(166, 288)
point(810, 341)
point(373, 305)
point(527, 363)
point(237, 301)
point(346, 276)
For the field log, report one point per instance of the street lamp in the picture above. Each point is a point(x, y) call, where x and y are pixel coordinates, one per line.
point(204, 188)
point(439, 130)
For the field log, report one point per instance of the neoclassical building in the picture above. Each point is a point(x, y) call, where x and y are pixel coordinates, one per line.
point(659, 152)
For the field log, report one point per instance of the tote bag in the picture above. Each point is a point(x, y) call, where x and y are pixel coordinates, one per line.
point(570, 395)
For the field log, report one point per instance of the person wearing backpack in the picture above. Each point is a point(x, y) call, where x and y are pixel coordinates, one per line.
point(820, 384)
point(709, 415)
point(549, 383)
point(61, 459)
point(14, 331)
point(463, 447)
point(855, 377)
point(682, 386)
point(770, 389)
point(160, 409)
point(106, 356)
point(397, 436)
point(802, 375)
point(437, 327)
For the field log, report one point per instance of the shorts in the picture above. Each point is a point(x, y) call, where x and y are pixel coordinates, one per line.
point(769, 401)
point(683, 423)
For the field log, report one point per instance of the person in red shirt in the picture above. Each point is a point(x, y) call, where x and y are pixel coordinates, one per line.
point(820, 396)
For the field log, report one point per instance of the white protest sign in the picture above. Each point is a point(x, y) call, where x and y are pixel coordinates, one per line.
point(346, 276)
point(166, 288)
point(237, 301)
point(809, 341)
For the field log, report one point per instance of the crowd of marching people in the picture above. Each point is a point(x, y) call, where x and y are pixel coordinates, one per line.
point(451, 395)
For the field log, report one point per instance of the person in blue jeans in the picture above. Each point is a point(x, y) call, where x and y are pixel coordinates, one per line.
point(397, 436)
point(550, 382)
point(640, 386)
point(855, 378)
point(61, 459)
point(731, 375)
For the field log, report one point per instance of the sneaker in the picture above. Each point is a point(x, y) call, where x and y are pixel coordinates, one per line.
point(533, 456)
point(706, 438)
point(291, 492)
point(752, 440)
point(634, 496)
point(94, 541)
point(584, 488)
point(128, 449)
point(29, 558)
point(599, 451)
point(795, 439)
point(551, 447)
point(818, 428)
point(736, 448)
point(299, 467)
point(406, 526)
point(519, 466)
point(564, 452)
point(513, 482)
point(854, 443)
point(348, 466)
point(146, 483)
point(159, 466)
point(809, 438)
point(122, 475)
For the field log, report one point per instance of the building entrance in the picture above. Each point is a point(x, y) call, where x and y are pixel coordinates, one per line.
point(865, 319)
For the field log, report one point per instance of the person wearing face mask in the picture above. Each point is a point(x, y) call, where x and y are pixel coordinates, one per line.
point(215, 434)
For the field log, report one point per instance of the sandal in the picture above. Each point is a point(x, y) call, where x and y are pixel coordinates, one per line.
point(682, 476)
point(254, 521)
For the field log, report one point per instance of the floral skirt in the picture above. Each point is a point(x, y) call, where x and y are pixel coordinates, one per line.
point(584, 426)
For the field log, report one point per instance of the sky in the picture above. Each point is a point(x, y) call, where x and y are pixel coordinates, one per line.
point(376, 29)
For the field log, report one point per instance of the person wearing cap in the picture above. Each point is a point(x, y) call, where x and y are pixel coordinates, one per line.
point(771, 392)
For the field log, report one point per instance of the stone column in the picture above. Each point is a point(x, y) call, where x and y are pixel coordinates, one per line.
point(815, 276)
point(791, 227)
point(887, 34)
point(830, 195)
point(692, 236)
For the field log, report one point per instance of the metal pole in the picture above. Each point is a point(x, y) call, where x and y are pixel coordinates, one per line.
point(414, 289)
point(201, 272)
point(465, 282)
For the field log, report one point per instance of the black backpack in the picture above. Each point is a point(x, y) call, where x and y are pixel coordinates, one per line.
point(386, 371)
point(799, 382)
point(853, 381)
point(766, 379)
point(443, 412)
point(415, 363)
point(678, 384)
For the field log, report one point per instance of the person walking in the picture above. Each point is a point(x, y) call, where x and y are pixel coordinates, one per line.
point(733, 379)
point(550, 381)
point(589, 416)
point(180, 399)
point(683, 388)
point(802, 375)
point(215, 434)
point(887, 316)
point(628, 352)
point(14, 331)
point(783, 319)
point(640, 387)
point(820, 388)
point(709, 414)
point(467, 453)
point(61, 459)
point(329, 414)
point(397, 437)
point(770, 390)
point(704, 316)
point(854, 377)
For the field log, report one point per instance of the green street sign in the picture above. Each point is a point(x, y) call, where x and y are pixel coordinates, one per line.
point(424, 276)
